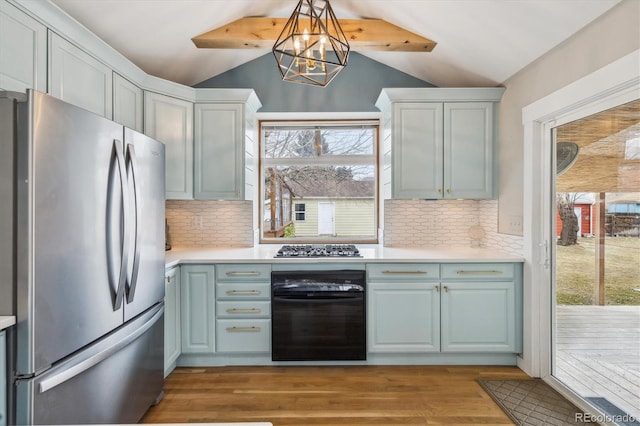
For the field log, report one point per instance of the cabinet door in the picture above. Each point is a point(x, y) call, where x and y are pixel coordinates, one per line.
point(198, 308)
point(403, 317)
point(417, 150)
point(127, 103)
point(468, 150)
point(3, 379)
point(478, 317)
point(243, 335)
point(219, 152)
point(23, 51)
point(172, 332)
point(78, 78)
point(170, 121)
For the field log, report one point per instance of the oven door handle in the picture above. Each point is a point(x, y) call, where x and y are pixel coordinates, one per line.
point(320, 299)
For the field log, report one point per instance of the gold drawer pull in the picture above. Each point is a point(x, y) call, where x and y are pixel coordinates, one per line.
point(243, 292)
point(405, 272)
point(243, 329)
point(243, 311)
point(479, 272)
point(237, 273)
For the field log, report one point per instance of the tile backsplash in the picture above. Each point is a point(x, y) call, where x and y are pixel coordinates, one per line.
point(407, 223)
point(433, 223)
point(210, 223)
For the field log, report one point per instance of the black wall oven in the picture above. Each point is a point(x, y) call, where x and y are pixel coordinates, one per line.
point(318, 315)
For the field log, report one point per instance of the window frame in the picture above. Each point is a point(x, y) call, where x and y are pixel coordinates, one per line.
point(312, 123)
point(302, 212)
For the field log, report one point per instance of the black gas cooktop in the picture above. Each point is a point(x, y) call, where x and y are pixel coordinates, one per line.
point(318, 250)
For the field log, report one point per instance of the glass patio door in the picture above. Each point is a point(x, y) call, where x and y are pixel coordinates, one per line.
point(596, 260)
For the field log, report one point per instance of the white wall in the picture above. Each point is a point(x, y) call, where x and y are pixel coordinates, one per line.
point(610, 37)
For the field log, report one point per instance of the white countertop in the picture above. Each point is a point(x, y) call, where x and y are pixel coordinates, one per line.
point(6, 322)
point(264, 253)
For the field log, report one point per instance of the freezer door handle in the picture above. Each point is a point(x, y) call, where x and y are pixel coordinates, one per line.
point(133, 161)
point(84, 365)
point(124, 255)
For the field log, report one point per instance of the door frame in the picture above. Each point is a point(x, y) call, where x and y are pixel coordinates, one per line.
point(609, 86)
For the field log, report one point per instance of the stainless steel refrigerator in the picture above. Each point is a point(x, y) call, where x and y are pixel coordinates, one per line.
point(81, 263)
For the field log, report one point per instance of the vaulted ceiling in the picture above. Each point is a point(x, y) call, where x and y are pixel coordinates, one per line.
point(479, 42)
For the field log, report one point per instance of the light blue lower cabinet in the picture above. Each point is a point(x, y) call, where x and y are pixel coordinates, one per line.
point(243, 335)
point(243, 309)
point(198, 309)
point(417, 313)
point(403, 317)
point(478, 317)
point(3, 378)
point(172, 320)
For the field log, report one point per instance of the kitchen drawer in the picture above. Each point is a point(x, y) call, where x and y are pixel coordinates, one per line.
point(478, 271)
point(240, 291)
point(243, 309)
point(243, 335)
point(243, 272)
point(403, 271)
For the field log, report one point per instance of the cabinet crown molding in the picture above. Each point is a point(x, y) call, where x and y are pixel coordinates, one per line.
point(439, 94)
point(246, 96)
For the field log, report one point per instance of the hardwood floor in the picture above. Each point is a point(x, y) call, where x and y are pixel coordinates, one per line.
point(348, 395)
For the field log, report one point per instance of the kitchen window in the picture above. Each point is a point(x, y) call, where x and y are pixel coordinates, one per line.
point(319, 181)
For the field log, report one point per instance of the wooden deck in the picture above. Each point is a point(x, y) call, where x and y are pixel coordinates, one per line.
point(598, 353)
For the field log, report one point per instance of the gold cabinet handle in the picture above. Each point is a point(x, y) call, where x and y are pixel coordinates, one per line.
point(463, 272)
point(243, 292)
point(242, 273)
point(243, 329)
point(439, 190)
point(405, 272)
point(243, 311)
point(446, 289)
point(448, 191)
point(437, 289)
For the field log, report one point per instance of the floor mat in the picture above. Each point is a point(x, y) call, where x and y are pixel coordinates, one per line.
point(533, 402)
point(612, 410)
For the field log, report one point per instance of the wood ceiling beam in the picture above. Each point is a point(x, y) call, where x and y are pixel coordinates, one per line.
point(363, 34)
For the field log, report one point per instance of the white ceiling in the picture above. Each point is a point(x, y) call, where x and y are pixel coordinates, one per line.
point(480, 42)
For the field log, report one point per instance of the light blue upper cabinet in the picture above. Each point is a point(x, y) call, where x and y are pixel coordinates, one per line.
point(219, 149)
point(78, 78)
point(127, 103)
point(23, 51)
point(468, 150)
point(170, 120)
point(225, 145)
point(417, 150)
point(442, 142)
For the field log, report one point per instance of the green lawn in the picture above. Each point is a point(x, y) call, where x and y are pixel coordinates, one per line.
point(576, 272)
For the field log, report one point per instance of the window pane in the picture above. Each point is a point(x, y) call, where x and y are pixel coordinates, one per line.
point(309, 143)
point(331, 193)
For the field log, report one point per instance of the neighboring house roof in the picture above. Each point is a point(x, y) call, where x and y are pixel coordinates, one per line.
point(331, 187)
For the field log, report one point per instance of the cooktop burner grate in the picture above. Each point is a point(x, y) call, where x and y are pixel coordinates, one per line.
point(318, 250)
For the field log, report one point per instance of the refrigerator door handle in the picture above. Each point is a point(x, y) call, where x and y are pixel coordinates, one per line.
point(84, 365)
point(124, 255)
point(133, 160)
